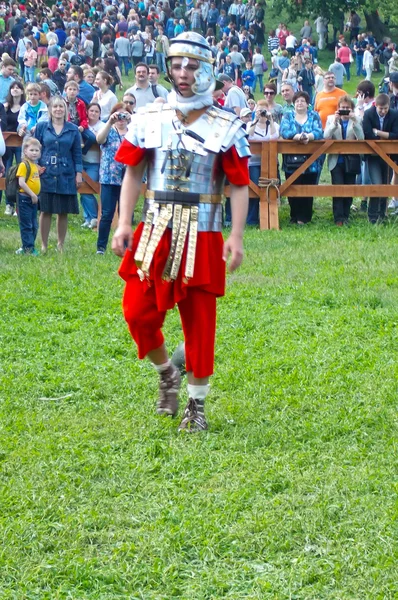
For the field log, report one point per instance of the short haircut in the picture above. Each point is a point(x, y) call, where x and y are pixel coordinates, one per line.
point(141, 64)
point(32, 87)
point(77, 71)
point(71, 83)
point(301, 94)
point(47, 73)
point(270, 86)
point(154, 67)
point(367, 88)
point(45, 89)
point(382, 100)
point(9, 62)
point(347, 99)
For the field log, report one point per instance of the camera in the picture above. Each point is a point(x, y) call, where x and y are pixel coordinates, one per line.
point(122, 117)
point(264, 113)
point(344, 112)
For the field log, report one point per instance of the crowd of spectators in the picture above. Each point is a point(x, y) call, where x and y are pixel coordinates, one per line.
point(63, 65)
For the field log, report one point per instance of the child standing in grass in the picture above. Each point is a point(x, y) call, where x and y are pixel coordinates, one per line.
point(28, 195)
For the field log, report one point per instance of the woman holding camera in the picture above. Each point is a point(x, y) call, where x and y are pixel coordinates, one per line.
point(111, 172)
point(302, 125)
point(344, 168)
point(262, 129)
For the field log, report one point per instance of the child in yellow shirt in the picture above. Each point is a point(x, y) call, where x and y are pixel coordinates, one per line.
point(28, 195)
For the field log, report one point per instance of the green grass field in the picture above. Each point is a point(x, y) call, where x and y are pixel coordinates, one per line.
point(292, 492)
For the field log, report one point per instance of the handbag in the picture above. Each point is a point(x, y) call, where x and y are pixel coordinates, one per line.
point(352, 163)
point(291, 162)
point(273, 73)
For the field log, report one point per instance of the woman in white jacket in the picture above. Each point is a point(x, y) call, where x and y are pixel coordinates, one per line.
point(368, 63)
point(344, 168)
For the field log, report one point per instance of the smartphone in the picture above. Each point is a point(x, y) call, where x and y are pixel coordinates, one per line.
point(344, 112)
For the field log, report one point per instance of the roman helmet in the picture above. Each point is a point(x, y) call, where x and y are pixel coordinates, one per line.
point(193, 45)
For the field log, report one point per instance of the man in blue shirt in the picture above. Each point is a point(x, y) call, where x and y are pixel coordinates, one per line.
point(6, 79)
point(86, 91)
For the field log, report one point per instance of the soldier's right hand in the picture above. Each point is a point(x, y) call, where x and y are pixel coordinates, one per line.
point(122, 239)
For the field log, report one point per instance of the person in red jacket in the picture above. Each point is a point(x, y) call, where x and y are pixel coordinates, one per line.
point(177, 254)
point(77, 111)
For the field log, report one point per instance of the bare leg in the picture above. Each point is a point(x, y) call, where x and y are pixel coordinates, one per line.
point(62, 226)
point(194, 381)
point(159, 356)
point(45, 224)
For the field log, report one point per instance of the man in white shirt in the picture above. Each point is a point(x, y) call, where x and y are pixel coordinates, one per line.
point(143, 91)
point(236, 98)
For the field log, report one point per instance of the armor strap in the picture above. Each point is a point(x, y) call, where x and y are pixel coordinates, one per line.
point(164, 217)
point(182, 236)
point(192, 240)
point(174, 236)
point(146, 232)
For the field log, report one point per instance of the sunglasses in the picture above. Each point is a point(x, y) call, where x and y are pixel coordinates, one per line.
point(129, 102)
point(269, 93)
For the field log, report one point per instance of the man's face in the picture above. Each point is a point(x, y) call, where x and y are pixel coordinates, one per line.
point(287, 93)
point(329, 82)
point(153, 76)
point(62, 65)
point(8, 71)
point(183, 74)
point(141, 75)
point(382, 110)
point(70, 76)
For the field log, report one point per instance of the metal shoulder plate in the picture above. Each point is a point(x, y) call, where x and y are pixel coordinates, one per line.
point(226, 130)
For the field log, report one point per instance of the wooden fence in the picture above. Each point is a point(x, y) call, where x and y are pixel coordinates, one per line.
point(269, 188)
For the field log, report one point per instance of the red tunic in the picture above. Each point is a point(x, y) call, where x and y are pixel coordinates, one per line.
point(209, 273)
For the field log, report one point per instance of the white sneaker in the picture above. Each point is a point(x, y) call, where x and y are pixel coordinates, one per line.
point(93, 223)
point(15, 214)
point(393, 204)
point(85, 225)
point(9, 211)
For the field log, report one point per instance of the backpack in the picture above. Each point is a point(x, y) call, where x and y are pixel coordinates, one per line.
point(154, 90)
point(43, 39)
point(12, 185)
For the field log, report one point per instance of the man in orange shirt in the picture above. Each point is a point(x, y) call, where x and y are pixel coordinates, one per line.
point(326, 101)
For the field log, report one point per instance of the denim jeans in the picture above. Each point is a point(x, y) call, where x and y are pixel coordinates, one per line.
point(359, 62)
point(89, 201)
point(8, 159)
point(161, 61)
point(29, 74)
point(110, 195)
point(21, 67)
point(259, 78)
point(124, 60)
point(378, 173)
point(27, 217)
point(347, 67)
point(253, 215)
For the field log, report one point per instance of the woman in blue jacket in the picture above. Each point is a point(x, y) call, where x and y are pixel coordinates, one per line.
point(61, 158)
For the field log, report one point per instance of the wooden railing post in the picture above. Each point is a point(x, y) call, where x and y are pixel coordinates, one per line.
point(264, 172)
point(273, 208)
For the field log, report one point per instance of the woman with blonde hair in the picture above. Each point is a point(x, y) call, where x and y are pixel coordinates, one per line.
point(63, 165)
point(319, 73)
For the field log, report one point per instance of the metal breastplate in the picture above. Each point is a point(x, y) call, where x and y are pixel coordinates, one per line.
point(184, 184)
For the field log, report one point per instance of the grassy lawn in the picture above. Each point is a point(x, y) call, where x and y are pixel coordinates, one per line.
point(292, 492)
